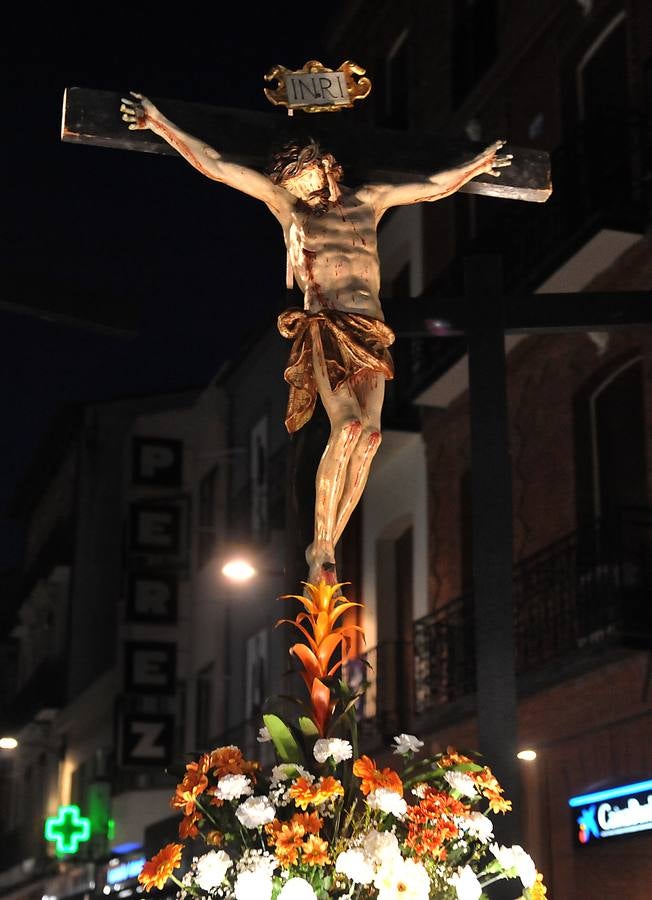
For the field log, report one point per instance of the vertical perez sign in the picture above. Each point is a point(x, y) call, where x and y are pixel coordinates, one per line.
point(613, 812)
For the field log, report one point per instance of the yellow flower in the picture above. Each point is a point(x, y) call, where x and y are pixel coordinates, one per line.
point(158, 869)
point(538, 890)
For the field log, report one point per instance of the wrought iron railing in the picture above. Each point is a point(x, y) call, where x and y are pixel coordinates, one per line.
point(589, 590)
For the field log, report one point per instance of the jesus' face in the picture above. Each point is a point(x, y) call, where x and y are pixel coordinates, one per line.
point(310, 184)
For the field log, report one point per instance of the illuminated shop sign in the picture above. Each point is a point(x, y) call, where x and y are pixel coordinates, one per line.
point(125, 871)
point(67, 830)
point(613, 812)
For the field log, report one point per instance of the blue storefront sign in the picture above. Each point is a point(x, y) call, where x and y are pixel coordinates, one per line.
point(613, 812)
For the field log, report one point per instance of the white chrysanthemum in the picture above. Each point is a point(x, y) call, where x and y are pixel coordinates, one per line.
point(337, 748)
point(211, 869)
point(356, 866)
point(256, 884)
point(297, 889)
point(476, 825)
point(230, 787)
point(387, 801)
point(419, 790)
point(381, 846)
point(407, 743)
point(516, 858)
point(255, 811)
point(466, 884)
point(461, 782)
point(287, 771)
point(263, 735)
point(403, 878)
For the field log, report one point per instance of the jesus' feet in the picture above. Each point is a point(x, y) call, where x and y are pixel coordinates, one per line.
point(321, 562)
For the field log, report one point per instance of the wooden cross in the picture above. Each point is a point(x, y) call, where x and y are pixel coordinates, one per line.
point(246, 137)
point(374, 155)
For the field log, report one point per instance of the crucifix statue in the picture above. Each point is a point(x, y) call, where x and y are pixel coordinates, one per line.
point(340, 342)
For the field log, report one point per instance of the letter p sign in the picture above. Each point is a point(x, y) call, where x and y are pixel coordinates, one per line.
point(157, 461)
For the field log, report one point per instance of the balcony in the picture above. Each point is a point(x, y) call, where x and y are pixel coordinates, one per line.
point(576, 600)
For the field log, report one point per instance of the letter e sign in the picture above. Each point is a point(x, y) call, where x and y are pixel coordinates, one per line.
point(150, 667)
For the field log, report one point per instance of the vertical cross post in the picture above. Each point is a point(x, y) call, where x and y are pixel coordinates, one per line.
point(492, 531)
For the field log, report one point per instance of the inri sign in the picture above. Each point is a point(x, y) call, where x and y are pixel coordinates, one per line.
point(616, 811)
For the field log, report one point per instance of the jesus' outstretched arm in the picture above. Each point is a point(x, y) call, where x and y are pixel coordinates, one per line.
point(439, 185)
point(140, 114)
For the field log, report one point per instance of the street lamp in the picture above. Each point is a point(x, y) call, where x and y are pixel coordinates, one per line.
point(8, 743)
point(527, 755)
point(239, 570)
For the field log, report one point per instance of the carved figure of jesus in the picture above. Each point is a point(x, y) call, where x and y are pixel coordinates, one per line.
point(340, 340)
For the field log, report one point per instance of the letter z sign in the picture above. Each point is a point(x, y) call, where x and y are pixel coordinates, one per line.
point(147, 739)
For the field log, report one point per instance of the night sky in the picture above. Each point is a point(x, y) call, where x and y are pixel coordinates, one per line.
point(148, 231)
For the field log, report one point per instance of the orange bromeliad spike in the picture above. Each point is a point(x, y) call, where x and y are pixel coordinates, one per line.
point(317, 623)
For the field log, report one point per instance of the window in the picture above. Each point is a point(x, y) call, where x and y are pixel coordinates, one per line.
point(259, 462)
point(610, 468)
point(203, 706)
point(396, 111)
point(603, 111)
point(207, 532)
point(256, 674)
point(474, 44)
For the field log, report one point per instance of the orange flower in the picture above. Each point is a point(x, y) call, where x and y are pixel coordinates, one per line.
point(303, 792)
point(158, 869)
point(188, 825)
point(314, 851)
point(372, 778)
point(311, 822)
point(288, 840)
point(227, 761)
point(322, 610)
point(214, 838)
point(271, 830)
point(488, 786)
point(432, 823)
point(453, 758)
point(194, 783)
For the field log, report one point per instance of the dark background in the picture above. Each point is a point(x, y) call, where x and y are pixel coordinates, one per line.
point(200, 264)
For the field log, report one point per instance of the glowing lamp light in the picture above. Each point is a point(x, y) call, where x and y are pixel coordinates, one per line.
point(8, 743)
point(68, 829)
point(238, 570)
point(527, 755)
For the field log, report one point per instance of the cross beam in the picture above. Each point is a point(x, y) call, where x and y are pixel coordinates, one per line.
point(529, 314)
point(368, 154)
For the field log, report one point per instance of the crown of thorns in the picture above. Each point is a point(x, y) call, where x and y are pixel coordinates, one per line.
point(292, 157)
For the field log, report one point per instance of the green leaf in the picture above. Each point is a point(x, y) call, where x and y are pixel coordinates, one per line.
point(308, 727)
point(284, 743)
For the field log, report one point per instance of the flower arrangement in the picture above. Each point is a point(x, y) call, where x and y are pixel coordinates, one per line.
point(327, 822)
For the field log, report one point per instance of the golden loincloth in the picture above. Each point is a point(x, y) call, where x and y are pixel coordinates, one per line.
point(352, 344)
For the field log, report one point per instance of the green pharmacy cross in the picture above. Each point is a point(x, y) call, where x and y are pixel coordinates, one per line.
point(67, 829)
